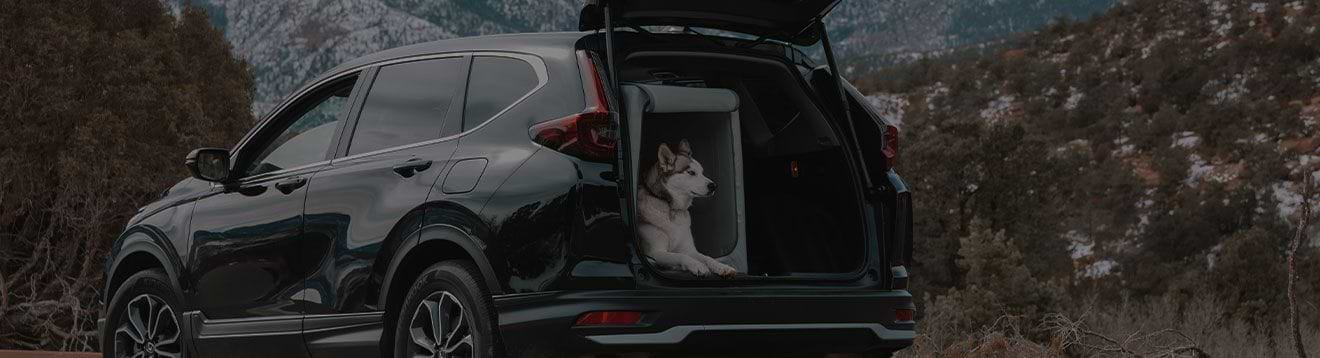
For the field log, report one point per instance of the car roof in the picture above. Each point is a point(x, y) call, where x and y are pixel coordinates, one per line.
point(543, 44)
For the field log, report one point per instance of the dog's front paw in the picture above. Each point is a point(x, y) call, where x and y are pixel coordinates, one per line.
point(719, 268)
point(696, 268)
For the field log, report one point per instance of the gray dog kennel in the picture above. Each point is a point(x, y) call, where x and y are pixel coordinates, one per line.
point(708, 119)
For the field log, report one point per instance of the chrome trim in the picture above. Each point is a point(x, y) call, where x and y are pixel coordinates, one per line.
point(274, 174)
point(248, 326)
point(279, 325)
point(677, 334)
point(538, 66)
point(336, 321)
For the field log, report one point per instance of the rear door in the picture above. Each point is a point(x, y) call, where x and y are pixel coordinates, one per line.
point(364, 203)
point(786, 20)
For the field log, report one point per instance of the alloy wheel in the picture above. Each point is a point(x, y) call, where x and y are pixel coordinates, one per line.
point(440, 328)
point(148, 329)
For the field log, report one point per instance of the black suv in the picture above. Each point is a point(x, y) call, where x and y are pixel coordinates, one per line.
point(478, 197)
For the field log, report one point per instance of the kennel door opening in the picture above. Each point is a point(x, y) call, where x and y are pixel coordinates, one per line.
point(708, 120)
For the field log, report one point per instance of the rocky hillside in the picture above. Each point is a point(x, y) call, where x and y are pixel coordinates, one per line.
point(1152, 157)
point(1156, 150)
point(288, 42)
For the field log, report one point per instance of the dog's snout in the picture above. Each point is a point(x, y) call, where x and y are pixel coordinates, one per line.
point(712, 186)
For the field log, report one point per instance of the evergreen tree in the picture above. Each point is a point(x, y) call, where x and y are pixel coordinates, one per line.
point(101, 100)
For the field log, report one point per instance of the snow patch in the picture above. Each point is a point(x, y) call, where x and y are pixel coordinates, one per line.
point(1185, 140)
point(1099, 269)
point(1125, 147)
point(890, 107)
point(1234, 90)
point(1074, 99)
point(1079, 244)
point(1198, 170)
point(998, 109)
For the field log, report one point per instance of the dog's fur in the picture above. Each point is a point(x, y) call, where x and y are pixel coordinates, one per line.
point(665, 225)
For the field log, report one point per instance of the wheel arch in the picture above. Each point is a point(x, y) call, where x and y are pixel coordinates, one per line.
point(432, 243)
point(138, 249)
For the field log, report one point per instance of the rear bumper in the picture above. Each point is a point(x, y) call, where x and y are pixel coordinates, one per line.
point(741, 321)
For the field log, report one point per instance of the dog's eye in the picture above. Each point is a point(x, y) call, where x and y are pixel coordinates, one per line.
point(692, 172)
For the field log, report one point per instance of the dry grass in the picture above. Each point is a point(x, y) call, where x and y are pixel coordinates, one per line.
point(1156, 328)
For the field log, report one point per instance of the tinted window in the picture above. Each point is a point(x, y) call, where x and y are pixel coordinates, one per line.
point(407, 103)
point(307, 138)
point(496, 83)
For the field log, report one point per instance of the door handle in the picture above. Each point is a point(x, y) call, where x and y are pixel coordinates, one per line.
point(287, 186)
point(412, 166)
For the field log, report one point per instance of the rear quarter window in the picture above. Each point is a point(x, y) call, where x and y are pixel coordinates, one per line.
point(495, 84)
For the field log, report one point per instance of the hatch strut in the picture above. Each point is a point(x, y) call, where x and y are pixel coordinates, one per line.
point(847, 107)
point(623, 164)
point(609, 47)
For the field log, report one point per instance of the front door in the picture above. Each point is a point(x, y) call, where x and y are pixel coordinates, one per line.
point(362, 206)
point(246, 266)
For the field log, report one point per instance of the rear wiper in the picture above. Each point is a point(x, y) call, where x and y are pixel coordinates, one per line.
point(712, 39)
point(757, 41)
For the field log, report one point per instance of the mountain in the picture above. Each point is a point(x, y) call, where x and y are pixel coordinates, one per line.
point(288, 42)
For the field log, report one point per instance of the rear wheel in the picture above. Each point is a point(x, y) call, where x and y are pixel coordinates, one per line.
point(144, 320)
point(446, 314)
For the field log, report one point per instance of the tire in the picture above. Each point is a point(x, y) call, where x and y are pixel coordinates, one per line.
point(438, 289)
point(148, 296)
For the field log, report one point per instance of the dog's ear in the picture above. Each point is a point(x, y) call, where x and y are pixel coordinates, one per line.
point(684, 147)
point(666, 158)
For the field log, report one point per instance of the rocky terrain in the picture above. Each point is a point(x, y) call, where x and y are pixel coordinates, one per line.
point(1149, 162)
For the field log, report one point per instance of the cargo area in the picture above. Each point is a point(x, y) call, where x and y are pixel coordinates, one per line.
point(787, 203)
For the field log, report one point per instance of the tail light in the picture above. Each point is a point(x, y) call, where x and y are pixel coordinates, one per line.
point(905, 315)
point(590, 135)
point(891, 146)
point(609, 318)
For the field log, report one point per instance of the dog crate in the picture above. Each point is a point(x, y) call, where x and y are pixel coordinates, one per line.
point(707, 119)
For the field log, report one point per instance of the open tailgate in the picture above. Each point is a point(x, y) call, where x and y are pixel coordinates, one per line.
point(785, 20)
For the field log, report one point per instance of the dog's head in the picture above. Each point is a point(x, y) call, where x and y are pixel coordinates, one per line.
point(679, 176)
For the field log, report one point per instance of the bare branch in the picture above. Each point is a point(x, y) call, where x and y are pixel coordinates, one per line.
point(4, 295)
point(1294, 321)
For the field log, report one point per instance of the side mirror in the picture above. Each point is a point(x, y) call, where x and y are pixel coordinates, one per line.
point(209, 164)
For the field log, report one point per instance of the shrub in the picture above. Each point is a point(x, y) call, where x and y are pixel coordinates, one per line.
point(102, 99)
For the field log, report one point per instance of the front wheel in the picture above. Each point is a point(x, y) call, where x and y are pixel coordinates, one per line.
point(144, 320)
point(446, 314)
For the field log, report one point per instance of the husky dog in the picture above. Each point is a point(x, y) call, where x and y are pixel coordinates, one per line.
point(665, 225)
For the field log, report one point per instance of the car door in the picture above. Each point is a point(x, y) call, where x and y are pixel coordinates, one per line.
point(246, 263)
point(363, 204)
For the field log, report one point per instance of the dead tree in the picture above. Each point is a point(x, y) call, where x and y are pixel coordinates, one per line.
point(1294, 322)
point(1164, 343)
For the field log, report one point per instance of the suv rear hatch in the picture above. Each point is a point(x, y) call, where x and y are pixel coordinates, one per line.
point(802, 206)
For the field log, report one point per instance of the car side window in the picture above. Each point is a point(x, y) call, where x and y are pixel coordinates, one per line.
point(307, 138)
point(495, 83)
point(407, 103)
